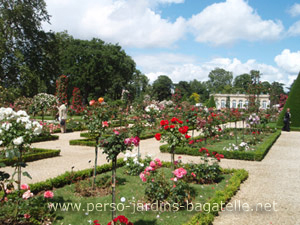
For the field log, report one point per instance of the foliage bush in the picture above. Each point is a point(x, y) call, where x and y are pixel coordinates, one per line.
point(293, 102)
point(211, 103)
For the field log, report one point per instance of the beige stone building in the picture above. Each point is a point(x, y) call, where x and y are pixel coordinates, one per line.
point(240, 100)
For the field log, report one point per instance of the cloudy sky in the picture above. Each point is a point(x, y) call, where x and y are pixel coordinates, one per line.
point(186, 39)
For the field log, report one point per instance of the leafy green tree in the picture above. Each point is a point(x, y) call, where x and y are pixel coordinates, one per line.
point(200, 88)
point(96, 68)
point(162, 87)
point(138, 86)
point(28, 55)
point(242, 82)
point(184, 88)
point(218, 79)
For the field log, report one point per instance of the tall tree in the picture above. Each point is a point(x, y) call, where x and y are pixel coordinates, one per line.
point(162, 87)
point(96, 68)
point(242, 82)
point(200, 88)
point(218, 79)
point(28, 55)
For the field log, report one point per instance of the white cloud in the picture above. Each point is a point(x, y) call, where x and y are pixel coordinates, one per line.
point(289, 61)
point(185, 68)
point(128, 22)
point(294, 10)
point(230, 21)
point(294, 30)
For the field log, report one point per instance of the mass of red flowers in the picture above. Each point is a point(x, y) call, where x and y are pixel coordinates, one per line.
point(120, 220)
point(76, 106)
point(171, 126)
point(215, 154)
point(61, 89)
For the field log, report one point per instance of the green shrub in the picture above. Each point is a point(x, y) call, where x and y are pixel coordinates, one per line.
point(37, 154)
point(45, 137)
point(293, 102)
point(211, 103)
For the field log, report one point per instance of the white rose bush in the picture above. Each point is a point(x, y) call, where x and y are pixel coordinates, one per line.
point(16, 133)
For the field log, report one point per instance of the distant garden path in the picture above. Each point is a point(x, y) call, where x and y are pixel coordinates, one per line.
point(276, 178)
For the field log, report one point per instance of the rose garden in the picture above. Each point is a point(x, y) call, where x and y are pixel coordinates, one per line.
point(133, 187)
point(103, 145)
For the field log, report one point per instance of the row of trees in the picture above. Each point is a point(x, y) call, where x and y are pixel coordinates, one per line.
point(32, 60)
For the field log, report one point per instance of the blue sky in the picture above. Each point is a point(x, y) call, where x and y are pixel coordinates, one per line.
point(186, 39)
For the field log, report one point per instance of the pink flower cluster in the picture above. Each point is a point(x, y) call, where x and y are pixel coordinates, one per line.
point(180, 172)
point(133, 140)
point(152, 167)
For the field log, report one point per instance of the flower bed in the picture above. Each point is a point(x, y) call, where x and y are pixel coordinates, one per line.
point(131, 191)
point(35, 154)
point(257, 155)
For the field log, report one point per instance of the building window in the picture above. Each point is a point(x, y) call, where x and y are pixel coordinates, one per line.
point(246, 103)
point(222, 103)
point(234, 104)
point(264, 104)
point(240, 103)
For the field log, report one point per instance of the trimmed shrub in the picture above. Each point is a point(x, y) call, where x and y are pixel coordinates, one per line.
point(37, 154)
point(47, 137)
point(211, 103)
point(293, 102)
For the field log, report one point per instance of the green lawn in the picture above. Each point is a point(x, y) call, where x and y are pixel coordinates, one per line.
point(133, 190)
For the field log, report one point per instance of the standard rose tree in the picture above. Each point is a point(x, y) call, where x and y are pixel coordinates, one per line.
point(96, 117)
point(174, 134)
point(16, 133)
point(115, 144)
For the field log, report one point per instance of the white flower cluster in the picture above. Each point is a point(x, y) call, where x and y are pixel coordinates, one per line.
point(151, 107)
point(44, 100)
point(13, 123)
point(243, 146)
point(253, 119)
point(135, 158)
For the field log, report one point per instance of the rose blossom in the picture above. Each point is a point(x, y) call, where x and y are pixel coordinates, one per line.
point(26, 216)
point(152, 164)
point(25, 187)
point(180, 172)
point(48, 194)
point(27, 195)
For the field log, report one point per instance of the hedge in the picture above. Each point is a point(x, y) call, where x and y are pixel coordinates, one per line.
point(70, 177)
point(256, 155)
point(45, 138)
point(293, 102)
point(37, 154)
point(207, 218)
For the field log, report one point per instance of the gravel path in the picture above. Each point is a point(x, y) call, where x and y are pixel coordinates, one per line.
point(275, 180)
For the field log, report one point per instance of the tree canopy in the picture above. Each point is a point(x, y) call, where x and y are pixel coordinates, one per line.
point(162, 87)
point(218, 79)
point(95, 67)
point(28, 55)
